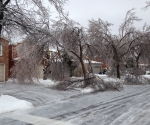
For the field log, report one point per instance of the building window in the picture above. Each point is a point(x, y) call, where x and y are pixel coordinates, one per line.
point(1, 49)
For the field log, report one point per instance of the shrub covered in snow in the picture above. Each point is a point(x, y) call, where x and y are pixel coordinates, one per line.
point(136, 80)
point(93, 81)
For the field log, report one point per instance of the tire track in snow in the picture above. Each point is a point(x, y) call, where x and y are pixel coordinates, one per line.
point(135, 115)
point(106, 107)
point(36, 120)
point(102, 105)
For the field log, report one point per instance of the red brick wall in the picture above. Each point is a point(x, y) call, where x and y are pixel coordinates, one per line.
point(12, 56)
point(5, 56)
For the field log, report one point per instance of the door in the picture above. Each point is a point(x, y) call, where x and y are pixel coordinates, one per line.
point(2, 72)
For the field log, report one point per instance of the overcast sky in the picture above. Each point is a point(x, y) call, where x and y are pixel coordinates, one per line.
point(112, 11)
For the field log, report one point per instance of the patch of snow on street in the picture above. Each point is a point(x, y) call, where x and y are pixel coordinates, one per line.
point(46, 83)
point(109, 79)
point(87, 90)
point(9, 104)
point(40, 81)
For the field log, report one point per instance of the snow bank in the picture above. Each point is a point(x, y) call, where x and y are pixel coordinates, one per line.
point(9, 104)
point(146, 76)
point(109, 79)
point(46, 83)
point(87, 90)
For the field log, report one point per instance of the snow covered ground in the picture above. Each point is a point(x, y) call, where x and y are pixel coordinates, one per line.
point(9, 104)
point(131, 106)
point(146, 76)
point(46, 83)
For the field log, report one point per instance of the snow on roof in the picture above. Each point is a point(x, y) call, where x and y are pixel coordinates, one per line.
point(53, 50)
point(15, 58)
point(86, 61)
point(8, 40)
point(143, 64)
point(15, 43)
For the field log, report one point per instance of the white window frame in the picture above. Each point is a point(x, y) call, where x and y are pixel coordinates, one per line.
point(1, 49)
point(4, 71)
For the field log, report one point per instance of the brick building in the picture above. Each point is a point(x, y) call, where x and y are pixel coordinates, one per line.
point(4, 59)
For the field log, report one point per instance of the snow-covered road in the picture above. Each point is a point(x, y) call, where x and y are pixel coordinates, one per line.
point(131, 106)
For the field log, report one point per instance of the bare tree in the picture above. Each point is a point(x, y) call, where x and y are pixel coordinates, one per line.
point(32, 18)
point(25, 16)
point(27, 65)
point(73, 41)
point(147, 5)
point(35, 51)
point(117, 45)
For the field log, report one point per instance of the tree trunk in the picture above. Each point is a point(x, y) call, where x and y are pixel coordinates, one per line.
point(82, 63)
point(83, 68)
point(137, 61)
point(2, 8)
point(1, 18)
point(117, 59)
point(118, 70)
point(1, 15)
point(80, 57)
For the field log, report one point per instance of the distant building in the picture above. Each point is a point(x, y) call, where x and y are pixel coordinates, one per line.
point(143, 66)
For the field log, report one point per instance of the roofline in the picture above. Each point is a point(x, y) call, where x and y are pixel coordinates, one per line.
point(94, 62)
point(8, 40)
point(15, 43)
